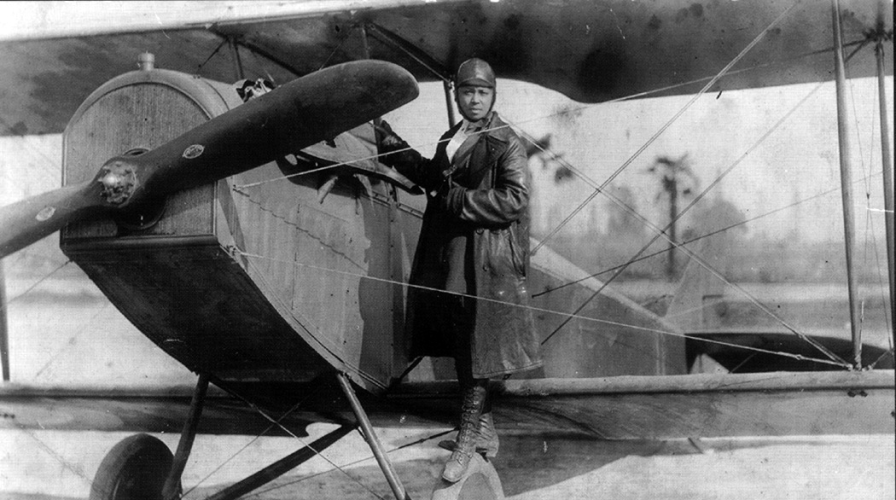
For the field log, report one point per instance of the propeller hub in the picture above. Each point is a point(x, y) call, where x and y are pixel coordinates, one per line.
point(119, 180)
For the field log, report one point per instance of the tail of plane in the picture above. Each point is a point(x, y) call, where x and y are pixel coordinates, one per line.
point(727, 333)
point(698, 306)
point(697, 303)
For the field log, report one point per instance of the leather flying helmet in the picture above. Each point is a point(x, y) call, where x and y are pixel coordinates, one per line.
point(475, 72)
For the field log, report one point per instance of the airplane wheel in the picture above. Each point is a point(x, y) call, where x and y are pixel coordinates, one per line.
point(479, 482)
point(477, 487)
point(134, 469)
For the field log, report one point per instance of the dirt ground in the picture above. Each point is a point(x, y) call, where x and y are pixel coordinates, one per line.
point(49, 465)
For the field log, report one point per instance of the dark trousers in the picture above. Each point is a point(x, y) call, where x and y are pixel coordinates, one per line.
point(462, 312)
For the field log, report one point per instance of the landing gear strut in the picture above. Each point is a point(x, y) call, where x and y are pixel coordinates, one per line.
point(372, 441)
point(142, 467)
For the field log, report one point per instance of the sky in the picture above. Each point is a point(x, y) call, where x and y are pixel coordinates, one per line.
point(797, 160)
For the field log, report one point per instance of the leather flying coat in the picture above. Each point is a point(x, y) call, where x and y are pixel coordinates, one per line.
point(484, 195)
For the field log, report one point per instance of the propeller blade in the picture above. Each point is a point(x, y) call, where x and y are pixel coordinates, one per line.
point(26, 221)
point(296, 115)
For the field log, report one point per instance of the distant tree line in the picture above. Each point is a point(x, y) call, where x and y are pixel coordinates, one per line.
point(739, 256)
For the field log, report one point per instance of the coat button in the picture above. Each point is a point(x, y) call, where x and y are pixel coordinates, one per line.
point(479, 230)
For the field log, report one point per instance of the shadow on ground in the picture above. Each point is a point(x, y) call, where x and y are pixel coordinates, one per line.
point(526, 465)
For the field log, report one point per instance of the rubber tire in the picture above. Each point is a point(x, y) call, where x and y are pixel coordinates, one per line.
point(134, 469)
point(477, 487)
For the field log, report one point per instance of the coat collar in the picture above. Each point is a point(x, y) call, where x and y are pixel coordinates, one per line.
point(495, 127)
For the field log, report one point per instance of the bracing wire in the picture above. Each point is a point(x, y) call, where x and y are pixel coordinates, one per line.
point(49, 170)
point(629, 97)
point(697, 198)
point(644, 257)
point(712, 81)
point(869, 226)
point(662, 233)
point(758, 304)
point(282, 417)
point(665, 126)
point(72, 339)
point(210, 56)
point(532, 308)
point(333, 53)
point(696, 258)
point(698, 238)
point(352, 464)
point(319, 453)
point(277, 423)
point(73, 468)
point(35, 285)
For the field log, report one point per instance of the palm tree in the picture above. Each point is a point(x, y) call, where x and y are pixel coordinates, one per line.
point(676, 179)
point(541, 149)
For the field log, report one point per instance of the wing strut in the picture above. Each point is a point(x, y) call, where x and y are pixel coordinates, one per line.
point(846, 187)
point(885, 156)
point(4, 327)
point(429, 62)
point(235, 56)
point(370, 436)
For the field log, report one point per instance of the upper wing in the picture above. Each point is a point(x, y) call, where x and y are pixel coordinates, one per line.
point(590, 50)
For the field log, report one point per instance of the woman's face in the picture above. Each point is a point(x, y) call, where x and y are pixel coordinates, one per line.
point(475, 102)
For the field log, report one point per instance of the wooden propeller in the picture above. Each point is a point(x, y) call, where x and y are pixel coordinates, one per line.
point(294, 116)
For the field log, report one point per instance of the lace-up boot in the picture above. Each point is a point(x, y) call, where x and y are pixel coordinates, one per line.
point(467, 437)
point(487, 442)
point(488, 437)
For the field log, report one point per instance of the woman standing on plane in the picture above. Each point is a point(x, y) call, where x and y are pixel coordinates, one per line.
point(468, 293)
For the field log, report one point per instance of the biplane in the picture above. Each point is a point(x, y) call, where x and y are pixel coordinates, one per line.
point(260, 244)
